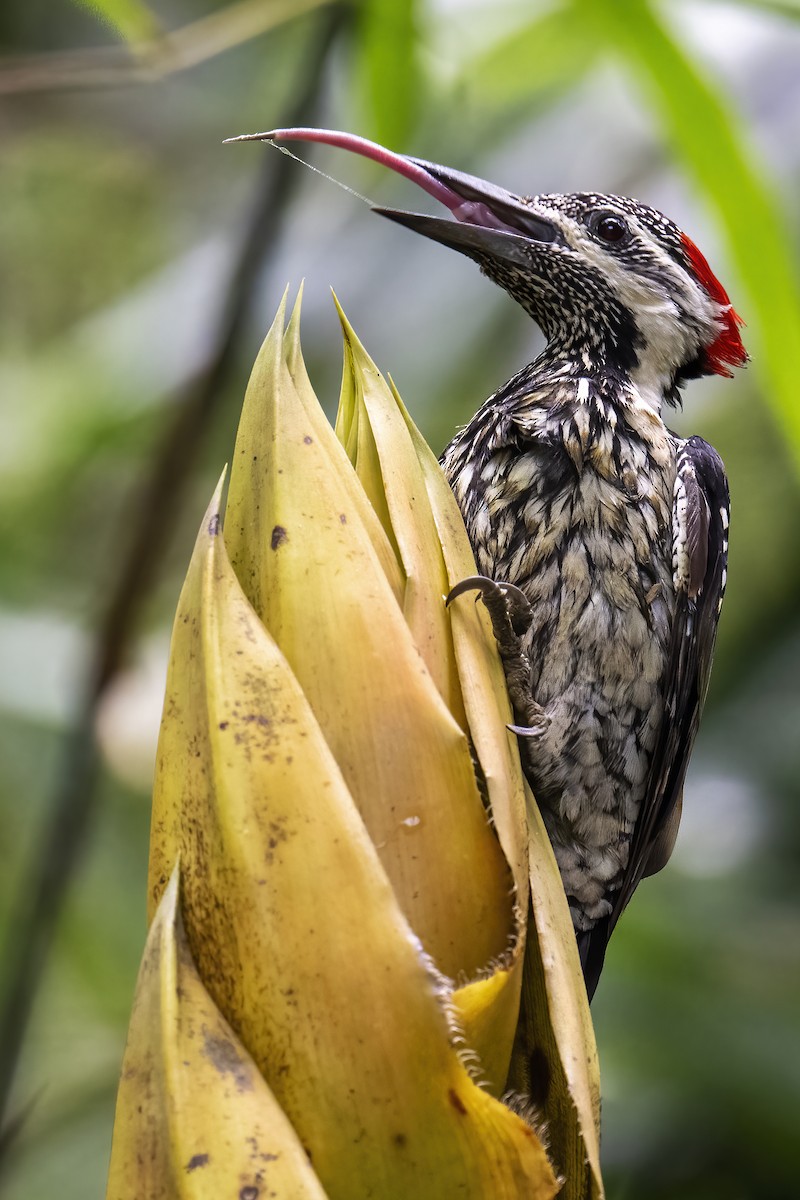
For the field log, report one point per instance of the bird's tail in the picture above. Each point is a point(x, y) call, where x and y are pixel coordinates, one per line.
point(592, 949)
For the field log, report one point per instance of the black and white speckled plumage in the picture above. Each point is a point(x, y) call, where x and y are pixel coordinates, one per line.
point(573, 489)
point(567, 484)
point(579, 517)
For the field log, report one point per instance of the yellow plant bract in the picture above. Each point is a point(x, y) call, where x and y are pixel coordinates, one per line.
point(341, 858)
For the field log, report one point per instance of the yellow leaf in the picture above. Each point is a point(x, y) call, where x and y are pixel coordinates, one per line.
point(308, 565)
point(195, 1119)
point(557, 1029)
point(385, 550)
point(393, 479)
point(296, 930)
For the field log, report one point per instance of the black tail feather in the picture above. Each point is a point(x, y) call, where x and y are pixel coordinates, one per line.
point(592, 949)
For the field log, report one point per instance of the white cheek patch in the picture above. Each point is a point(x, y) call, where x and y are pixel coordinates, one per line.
point(669, 339)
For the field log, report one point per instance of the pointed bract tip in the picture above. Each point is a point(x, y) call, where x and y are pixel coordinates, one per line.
point(213, 521)
point(294, 319)
point(279, 320)
point(270, 354)
point(339, 308)
point(279, 323)
point(168, 911)
point(350, 336)
point(347, 328)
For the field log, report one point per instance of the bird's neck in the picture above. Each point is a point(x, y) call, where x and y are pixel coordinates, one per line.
point(622, 378)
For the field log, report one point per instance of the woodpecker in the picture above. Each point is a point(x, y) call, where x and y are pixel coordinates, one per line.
point(601, 537)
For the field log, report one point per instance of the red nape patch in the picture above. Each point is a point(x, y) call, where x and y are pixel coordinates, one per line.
point(727, 348)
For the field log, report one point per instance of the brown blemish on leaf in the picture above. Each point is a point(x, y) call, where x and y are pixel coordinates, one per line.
point(197, 1160)
point(226, 1059)
point(279, 536)
point(278, 834)
point(260, 1156)
point(456, 1101)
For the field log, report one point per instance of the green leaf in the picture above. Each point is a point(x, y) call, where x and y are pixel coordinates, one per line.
point(550, 50)
point(388, 68)
point(132, 19)
point(707, 136)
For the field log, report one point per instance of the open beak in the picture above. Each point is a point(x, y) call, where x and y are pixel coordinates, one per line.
point(489, 221)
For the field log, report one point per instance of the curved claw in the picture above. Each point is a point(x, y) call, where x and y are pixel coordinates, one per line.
point(528, 731)
point(505, 601)
point(518, 607)
point(477, 583)
point(515, 596)
point(512, 592)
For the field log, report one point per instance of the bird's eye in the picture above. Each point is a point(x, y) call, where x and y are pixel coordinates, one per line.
point(608, 227)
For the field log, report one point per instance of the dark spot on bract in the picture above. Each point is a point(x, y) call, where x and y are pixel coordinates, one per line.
point(223, 724)
point(213, 525)
point(400, 1140)
point(457, 1102)
point(343, 518)
point(255, 719)
point(279, 536)
point(539, 1082)
point(227, 1060)
point(197, 1160)
point(308, 440)
point(248, 1193)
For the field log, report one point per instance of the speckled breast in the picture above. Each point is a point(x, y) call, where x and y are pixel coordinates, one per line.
point(579, 517)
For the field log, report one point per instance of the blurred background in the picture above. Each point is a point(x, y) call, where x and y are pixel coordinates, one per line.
point(141, 263)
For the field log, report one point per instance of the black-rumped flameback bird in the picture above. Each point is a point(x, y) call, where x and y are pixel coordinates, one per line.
point(601, 536)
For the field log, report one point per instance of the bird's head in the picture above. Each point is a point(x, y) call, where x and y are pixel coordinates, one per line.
point(608, 279)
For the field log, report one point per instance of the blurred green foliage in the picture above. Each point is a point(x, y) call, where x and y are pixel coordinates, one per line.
point(120, 215)
point(705, 132)
point(132, 19)
point(388, 63)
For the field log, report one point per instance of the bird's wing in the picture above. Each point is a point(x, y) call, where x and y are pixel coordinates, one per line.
point(700, 516)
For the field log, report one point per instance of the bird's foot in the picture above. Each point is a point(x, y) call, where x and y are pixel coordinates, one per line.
point(511, 616)
point(507, 605)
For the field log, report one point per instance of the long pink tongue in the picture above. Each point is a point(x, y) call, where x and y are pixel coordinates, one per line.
point(470, 211)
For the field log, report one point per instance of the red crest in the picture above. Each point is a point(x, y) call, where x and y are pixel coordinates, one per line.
point(727, 349)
